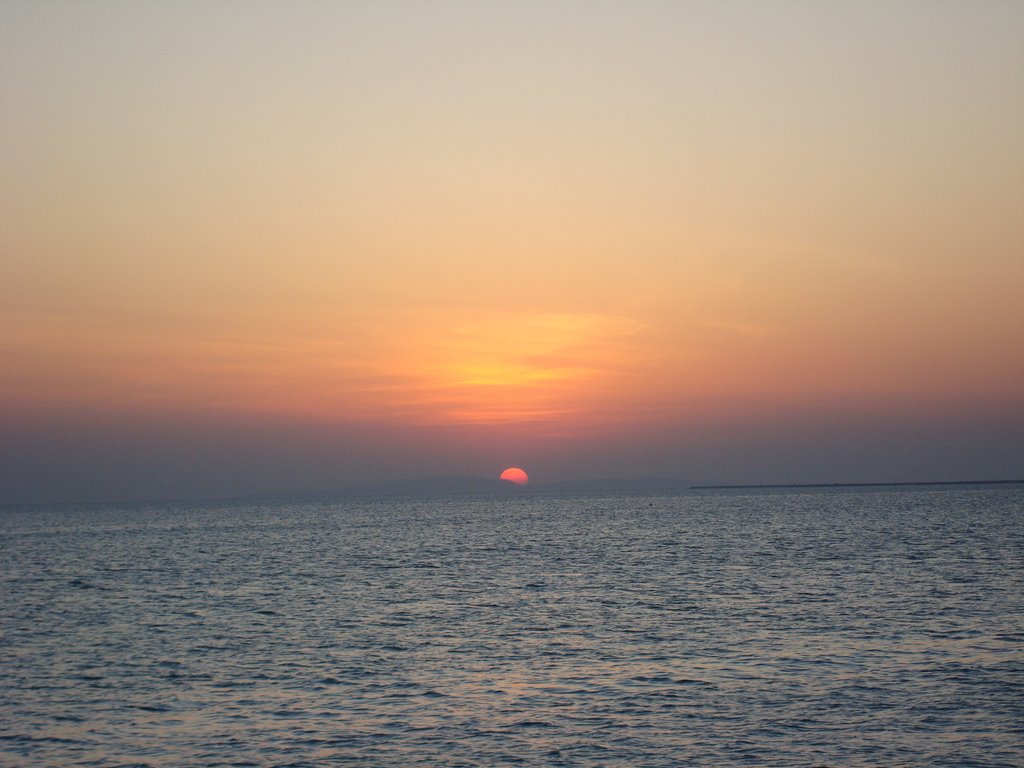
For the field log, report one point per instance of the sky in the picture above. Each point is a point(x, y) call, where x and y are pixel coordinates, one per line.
point(266, 247)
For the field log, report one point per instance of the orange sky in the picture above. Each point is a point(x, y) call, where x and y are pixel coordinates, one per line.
point(587, 224)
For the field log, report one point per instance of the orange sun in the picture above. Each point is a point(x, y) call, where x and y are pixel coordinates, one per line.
point(515, 475)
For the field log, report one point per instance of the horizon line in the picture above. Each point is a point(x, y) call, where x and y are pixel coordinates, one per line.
point(856, 485)
point(355, 490)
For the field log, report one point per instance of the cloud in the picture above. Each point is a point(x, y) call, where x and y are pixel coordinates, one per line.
point(506, 366)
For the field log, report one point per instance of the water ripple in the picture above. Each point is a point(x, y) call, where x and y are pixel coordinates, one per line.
point(818, 629)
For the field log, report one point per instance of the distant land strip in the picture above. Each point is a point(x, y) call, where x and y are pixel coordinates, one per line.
point(857, 485)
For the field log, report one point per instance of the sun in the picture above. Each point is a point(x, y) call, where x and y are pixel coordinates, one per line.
point(515, 475)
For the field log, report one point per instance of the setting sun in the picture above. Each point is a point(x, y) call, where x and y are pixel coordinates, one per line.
point(515, 475)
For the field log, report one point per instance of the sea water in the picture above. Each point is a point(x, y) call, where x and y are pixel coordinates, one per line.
point(863, 628)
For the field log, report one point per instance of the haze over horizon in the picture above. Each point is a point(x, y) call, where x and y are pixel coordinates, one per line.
point(260, 248)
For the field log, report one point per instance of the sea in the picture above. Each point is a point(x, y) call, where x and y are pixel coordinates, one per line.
point(805, 627)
